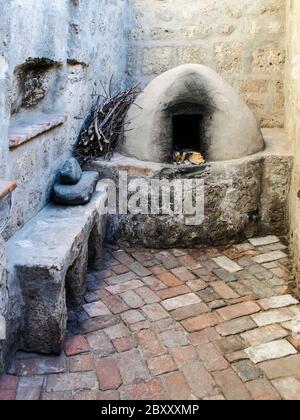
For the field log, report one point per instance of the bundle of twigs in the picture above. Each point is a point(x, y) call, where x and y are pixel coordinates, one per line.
point(105, 126)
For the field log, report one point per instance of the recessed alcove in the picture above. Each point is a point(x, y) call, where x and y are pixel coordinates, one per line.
point(35, 100)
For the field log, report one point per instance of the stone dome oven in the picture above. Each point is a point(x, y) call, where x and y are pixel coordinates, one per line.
point(191, 108)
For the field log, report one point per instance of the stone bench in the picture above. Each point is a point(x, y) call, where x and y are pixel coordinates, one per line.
point(48, 260)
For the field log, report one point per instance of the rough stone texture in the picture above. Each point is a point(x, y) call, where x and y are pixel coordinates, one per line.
point(5, 202)
point(38, 265)
point(207, 92)
point(71, 172)
point(56, 53)
point(81, 193)
point(252, 182)
point(50, 65)
point(123, 356)
point(244, 41)
point(292, 92)
point(269, 351)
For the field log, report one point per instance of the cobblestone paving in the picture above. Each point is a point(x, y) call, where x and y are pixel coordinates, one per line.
point(214, 324)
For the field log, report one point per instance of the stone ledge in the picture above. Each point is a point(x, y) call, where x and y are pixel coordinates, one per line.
point(6, 187)
point(24, 129)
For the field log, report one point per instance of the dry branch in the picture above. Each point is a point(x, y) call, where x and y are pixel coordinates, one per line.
point(105, 126)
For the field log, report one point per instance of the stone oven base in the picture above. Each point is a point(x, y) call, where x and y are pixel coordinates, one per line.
point(243, 198)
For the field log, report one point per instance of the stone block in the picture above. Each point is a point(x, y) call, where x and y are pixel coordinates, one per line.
point(157, 60)
point(227, 264)
point(188, 55)
point(39, 257)
point(229, 58)
point(269, 59)
point(270, 351)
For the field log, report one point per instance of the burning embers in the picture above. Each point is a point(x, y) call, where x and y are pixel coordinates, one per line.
point(188, 158)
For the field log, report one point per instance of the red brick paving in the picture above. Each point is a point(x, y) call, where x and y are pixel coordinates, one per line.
point(145, 349)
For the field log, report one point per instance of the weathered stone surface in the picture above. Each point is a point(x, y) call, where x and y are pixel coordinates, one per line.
point(236, 326)
point(76, 345)
point(267, 240)
point(100, 344)
point(176, 386)
point(224, 275)
point(270, 351)
point(30, 389)
point(277, 302)
point(212, 357)
point(108, 374)
point(173, 339)
point(155, 312)
point(156, 357)
point(228, 264)
point(264, 335)
point(81, 193)
point(219, 178)
point(239, 310)
point(269, 257)
point(286, 367)
point(71, 382)
point(224, 291)
point(96, 309)
point(262, 390)
point(229, 26)
point(201, 322)
point(35, 365)
point(231, 385)
point(40, 263)
point(273, 317)
point(70, 173)
point(199, 380)
point(132, 367)
point(180, 302)
point(161, 365)
point(289, 388)
point(247, 371)
point(124, 287)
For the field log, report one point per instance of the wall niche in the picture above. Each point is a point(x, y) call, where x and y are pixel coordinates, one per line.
point(35, 99)
point(33, 82)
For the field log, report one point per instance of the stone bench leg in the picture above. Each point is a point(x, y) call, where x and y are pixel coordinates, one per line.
point(45, 310)
point(95, 247)
point(76, 280)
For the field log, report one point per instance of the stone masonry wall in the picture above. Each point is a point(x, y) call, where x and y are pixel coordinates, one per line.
point(53, 55)
point(85, 42)
point(292, 84)
point(243, 40)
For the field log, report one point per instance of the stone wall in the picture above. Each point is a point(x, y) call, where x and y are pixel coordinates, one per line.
point(53, 55)
point(292, 84)
point(243, 40)
point(5, 203)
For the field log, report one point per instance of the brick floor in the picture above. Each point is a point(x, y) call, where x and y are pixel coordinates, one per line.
point(212, 324)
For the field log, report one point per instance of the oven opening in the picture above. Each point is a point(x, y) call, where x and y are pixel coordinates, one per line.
point(187, 132)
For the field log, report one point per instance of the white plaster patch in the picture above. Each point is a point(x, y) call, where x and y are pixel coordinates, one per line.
point(25, 244)
point(3, 68)
point(296, 68)
point(2, 328)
